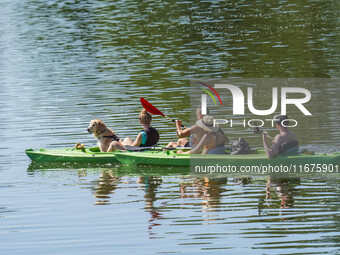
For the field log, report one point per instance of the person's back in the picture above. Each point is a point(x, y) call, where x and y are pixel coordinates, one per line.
point(284, 142)
point(216, 143)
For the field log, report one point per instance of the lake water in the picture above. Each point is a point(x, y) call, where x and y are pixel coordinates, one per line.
point(63, 63)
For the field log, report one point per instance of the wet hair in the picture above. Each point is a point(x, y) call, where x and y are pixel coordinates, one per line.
point(199, 110)
point(280, 118)
point(145, 117)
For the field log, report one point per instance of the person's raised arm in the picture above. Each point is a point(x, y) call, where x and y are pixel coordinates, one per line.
point(274, 149)
point(181, 133)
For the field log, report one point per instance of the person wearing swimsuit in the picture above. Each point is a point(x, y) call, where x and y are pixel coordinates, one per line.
point(212, 141)
point(195, 133)
point(149, 136)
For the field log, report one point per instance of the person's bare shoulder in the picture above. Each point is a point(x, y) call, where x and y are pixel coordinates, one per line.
point(194, 128)
point(279, 138)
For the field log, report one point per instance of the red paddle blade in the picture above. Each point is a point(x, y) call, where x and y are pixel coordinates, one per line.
point(150, 108)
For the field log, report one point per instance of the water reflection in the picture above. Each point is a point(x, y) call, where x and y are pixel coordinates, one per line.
point(259, 209)
point(64, 63)
point(285, 189)
point(6, 211)
point(279, 192)
point(104, 187)
point(209, 190)
point(150, 185)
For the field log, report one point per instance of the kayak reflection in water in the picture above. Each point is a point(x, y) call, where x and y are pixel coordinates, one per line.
point(149, 136)
point(283, 143)
point(195, 133)
point(213, 140)
point(285, 189)
point(208, 189)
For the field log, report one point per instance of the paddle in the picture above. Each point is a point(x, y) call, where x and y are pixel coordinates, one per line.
point(258, 130)
point(153, 110)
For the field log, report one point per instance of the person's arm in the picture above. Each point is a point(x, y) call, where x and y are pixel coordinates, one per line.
point(274, 149)
point(138, 140)
point(181, 133)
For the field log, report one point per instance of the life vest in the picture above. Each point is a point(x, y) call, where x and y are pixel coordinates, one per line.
point(150, 137)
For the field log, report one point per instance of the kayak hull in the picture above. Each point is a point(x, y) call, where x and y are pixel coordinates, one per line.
point(88, 155)
point(257, 158)
point(171, 158)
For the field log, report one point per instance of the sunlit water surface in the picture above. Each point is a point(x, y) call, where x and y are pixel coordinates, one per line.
point(63, 63)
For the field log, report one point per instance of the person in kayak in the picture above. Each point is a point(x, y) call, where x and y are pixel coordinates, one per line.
point(195, 133)
point(149, 136)
point(213, 140)
point(283, 143)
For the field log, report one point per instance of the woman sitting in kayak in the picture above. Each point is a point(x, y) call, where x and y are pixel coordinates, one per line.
point(195, 133)
point(212, 141)
point(149, 136)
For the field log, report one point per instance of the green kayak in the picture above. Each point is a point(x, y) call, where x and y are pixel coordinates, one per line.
point(87, 155)
point(256, 158)
point(171, 158)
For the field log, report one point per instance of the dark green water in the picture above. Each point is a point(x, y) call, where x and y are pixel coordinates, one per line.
point(63, 63)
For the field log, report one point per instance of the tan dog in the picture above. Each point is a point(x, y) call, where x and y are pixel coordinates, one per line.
point(103, 134)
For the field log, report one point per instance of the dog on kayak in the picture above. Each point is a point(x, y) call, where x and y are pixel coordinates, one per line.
point(102, 133)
